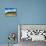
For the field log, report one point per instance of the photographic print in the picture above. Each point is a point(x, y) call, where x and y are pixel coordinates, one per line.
point(10, 11)
point(33, 32)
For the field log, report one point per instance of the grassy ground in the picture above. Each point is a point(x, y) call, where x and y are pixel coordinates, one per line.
point(10, 14)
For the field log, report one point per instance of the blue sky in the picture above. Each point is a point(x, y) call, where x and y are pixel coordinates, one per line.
point(10, 10)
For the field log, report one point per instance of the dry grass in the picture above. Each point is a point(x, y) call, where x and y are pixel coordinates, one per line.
point(10, 14)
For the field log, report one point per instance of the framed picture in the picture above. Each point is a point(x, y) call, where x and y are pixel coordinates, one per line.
point(32, 32)
point(10, 11)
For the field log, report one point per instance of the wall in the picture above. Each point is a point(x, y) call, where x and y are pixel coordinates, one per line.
point(28, 12)
point(33, 12)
